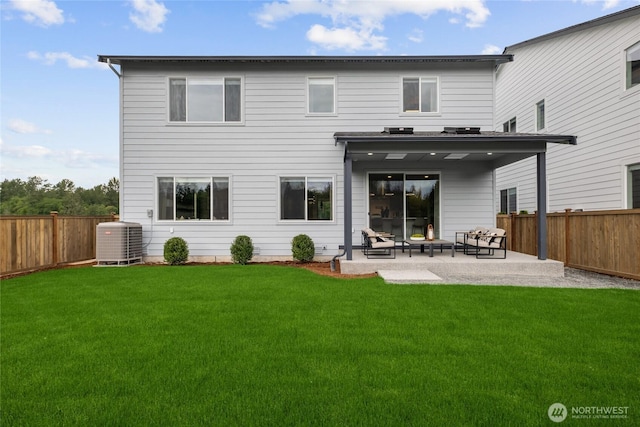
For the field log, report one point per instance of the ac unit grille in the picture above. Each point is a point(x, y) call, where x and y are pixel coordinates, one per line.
point(118, 243)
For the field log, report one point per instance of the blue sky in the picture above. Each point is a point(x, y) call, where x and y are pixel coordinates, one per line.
point(59, 106)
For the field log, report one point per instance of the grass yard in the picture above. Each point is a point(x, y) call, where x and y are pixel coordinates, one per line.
point(262, 345)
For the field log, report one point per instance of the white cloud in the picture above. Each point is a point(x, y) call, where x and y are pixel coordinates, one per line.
point(357, 25)
point(40, 12)
point(606, 4)
point(491, 49)
point(345, 38)
point(50, 58)
point(29, 151)
point(70, 158)
point(416, 36)
point(24, 127)
point(148, 15)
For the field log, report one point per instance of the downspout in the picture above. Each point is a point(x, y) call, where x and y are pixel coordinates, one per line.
point(121, 136)
point(113, 68)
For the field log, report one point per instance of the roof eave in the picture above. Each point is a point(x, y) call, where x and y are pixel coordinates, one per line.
point(497, 59)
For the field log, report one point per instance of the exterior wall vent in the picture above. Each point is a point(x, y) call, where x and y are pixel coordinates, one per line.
point(462, 131)
point(398, 131)
point(118, 243)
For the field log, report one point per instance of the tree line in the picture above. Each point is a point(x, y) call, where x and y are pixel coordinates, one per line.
point(36, 196)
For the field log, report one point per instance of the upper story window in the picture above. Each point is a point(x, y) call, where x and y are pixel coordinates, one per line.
point(205, 100)
point(509, 126)
point(419, 94)
point(193, 198)
point(306, 198)
point(508, 200)
point(540, 119)
point(632, 60)
point(322, 95)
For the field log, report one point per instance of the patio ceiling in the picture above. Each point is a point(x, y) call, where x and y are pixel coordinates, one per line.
point(496, 148)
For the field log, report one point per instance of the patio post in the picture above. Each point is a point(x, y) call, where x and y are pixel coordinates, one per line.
point(542, 206)
point(348, 205)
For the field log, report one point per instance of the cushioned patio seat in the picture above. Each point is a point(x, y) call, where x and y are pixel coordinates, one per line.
point(376, 245)
point(486, 244)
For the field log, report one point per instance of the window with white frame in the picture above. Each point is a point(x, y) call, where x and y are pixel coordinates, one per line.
point(306, 198)
point(633, 186)
point(632, 65)
point(205, 100)
point(509, 126)
point(508, 200)
point(193, 198)
point(540, 118)
point(420, 94)
point(321, 95)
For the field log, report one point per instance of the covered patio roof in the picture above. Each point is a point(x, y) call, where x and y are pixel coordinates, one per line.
point(496, 149)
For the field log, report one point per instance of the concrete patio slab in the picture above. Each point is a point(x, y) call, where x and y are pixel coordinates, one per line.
point(404, 277)
point(443, 264)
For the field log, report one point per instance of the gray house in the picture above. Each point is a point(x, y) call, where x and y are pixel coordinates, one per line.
point(585, 81)
point(271, 147)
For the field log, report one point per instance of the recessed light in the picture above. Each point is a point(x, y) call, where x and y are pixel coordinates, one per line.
point(489, 154)
point(433, 154)
point(456, 156)
point(369, 154)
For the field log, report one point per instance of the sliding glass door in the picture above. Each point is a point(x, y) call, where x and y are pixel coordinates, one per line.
point(404, 204)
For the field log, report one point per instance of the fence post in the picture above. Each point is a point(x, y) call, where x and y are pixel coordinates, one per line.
point(512, 216)
point(567, 237)
point(54, 237)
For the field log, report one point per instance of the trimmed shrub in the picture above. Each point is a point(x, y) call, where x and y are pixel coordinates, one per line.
point(302, 248)
point(242, 250)
point(176, 251)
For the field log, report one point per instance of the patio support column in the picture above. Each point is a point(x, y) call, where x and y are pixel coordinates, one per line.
point(348, 205)
point(542, 206)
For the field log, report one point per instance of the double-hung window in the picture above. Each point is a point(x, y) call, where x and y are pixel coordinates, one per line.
point(321, 95)
point(205, 100)
point(540, 118)
point(509, 126)
point(633, 186)
point(632, 65)
point(420, 95)
point(306, 198)
point(193, 198)
point(508, 200)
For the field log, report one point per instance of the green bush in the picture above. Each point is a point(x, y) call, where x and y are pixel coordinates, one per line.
point(302, 248)
point(176, 251)
point(242, 250)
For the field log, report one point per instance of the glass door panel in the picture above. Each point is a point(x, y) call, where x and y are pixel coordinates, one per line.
point(404, 204)
point(422, 194)
point(386, 203)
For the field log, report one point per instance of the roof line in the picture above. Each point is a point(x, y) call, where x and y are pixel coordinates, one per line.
point(356, 137)
point(626, 13)
point(497, 59)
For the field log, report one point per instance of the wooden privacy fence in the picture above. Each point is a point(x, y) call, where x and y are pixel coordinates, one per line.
point(36, 242)
point(601, 241)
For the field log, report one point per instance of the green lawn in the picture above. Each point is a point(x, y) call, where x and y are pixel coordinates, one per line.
point(274, 346)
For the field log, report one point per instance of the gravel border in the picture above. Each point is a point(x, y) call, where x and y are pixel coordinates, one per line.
point(573, 278)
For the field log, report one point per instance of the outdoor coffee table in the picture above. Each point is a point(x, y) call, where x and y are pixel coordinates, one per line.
point(430, 243)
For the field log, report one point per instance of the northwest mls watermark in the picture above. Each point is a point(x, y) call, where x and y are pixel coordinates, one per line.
point(558, 412)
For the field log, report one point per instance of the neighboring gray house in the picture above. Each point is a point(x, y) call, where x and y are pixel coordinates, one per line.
point(585, 81)
point(271, 147)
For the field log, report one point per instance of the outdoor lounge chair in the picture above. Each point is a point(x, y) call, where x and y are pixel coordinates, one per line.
point(376, 245)
point(485, 244)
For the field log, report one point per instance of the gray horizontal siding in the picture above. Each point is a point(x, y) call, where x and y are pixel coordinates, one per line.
point(581, 78)
point(278, 138)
